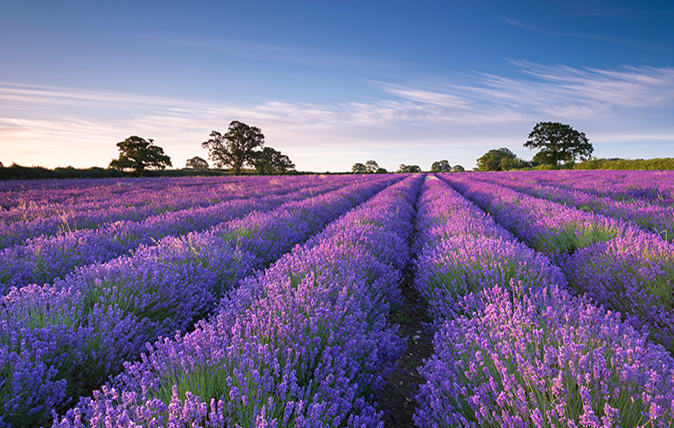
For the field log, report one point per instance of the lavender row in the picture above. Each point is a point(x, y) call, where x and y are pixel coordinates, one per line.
point(54, 219)
point(35, 199)
point(654, 187)
point(615, 264)
point(513, 348)
point(62, 341)
point(64, 193)
point(43, 259)
point(304, 344)
point(546, 226)
point(654, 218)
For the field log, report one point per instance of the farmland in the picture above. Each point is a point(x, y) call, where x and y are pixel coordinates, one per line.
point(271, 301)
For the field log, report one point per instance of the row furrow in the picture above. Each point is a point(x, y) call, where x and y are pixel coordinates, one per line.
point(653, 218)
point(304, 344)
point(52, 219)
point(513, 347)
point(41, 260)
point(654, 187)
point(62, 341)
point(615, 263)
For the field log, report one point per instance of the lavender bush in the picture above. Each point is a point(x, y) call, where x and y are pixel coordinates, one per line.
point(43, 259)
point(632, 276)
point(551, 228)
point(304, 344)
point(96, 206)
point(630, 272)
point(545, 359)
point(653, 218)
point(124, 303)
point(513, 348)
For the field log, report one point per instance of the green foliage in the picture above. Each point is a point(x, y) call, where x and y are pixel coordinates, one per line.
point(270, 161)
point(359, 168)
point(197, 163)
point(236, 148)
point(441, 166)
point(617, 163)
point(371, 166)
point(458, 168)
point(567, 240)
point(501, 159)
point(137, 154)
point(558, 143)
point(408, 169)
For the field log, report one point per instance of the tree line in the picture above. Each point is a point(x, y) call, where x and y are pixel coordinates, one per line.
point(243, 145)
point(240, 146)
point(558, 144)
point(371, 167)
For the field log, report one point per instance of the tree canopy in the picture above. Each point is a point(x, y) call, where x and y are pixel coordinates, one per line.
point(497, 160)
point(441, 166)
point(408, 168)
point(139, 154)
point(196, 163)
point(458, 168)
point(359, 168)
point(558, 142)
point(236, 148)
point(269, 161)
point(371, 166)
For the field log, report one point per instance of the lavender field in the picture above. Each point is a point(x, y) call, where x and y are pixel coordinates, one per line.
point(268, 301)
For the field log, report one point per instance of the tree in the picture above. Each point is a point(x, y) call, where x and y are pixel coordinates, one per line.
point(197, 163)
point(407, 169)
point(358, 168)
point(458, 168)
point(236, 148)
point(497, 160)
point(138, 154)
point(381, 170)
point(441, 166)
point(270, 161)
point(558, 142)
point(371, 166)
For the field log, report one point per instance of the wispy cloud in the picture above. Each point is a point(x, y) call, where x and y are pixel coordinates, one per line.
point(625, 41)
point(284, 53)
point(408, 124)
point(559, 87)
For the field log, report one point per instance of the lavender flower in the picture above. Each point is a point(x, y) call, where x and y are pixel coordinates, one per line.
point(305, 343)
point(513, 347)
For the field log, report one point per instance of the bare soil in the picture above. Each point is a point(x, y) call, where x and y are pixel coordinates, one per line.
point(397, 399)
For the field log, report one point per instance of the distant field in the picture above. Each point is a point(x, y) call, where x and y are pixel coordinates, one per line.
point(270, 301)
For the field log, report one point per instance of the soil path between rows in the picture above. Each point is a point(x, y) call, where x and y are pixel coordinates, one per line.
point(397, 399)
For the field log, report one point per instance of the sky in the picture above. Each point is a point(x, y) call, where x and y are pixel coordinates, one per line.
point(332, 83)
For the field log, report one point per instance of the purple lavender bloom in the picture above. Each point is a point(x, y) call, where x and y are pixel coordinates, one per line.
point(109, 311)
point(545, 226)
point(633, 276)
point(45, 258)
point(306, 343)
point(544, 359)
point(513, 348)
point(653, 218)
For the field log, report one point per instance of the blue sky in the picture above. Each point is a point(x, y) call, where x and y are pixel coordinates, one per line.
point(331, 83)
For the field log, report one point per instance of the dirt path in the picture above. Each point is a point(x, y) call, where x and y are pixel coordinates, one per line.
point(397, 399)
